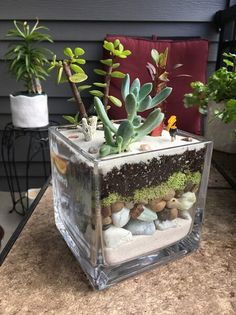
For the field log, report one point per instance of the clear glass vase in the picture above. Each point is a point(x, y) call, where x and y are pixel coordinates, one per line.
point(126, 213)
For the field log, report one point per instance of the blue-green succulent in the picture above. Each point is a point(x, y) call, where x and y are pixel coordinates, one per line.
point(137, 99)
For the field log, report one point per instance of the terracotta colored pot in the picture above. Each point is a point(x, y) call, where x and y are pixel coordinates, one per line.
point(158, 130)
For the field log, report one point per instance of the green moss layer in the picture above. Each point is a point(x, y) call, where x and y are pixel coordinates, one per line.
point(176, 181)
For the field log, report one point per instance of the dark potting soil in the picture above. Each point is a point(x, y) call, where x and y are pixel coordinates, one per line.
point(130, 177)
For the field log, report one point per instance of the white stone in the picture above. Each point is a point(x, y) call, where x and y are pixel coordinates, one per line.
point(121, 218)
point(147, 215)
point(137, 227)
point(164, 225)
point(115, 236)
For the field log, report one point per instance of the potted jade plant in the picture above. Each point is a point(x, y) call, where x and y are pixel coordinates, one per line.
point(126, 201)
point(27, 60)
point(70, 70)
point(217, 100)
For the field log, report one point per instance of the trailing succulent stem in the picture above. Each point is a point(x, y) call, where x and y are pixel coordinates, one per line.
point(137, 99)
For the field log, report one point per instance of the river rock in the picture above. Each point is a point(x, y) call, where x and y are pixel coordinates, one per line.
point(117, 206)
point(169, 195)
point(129, 204)
point(137, 227)
point(106, 211)
point(136, 210)
point(164, 225)
point(168, 214)
point(121, 218)
point(106, 221)
point(157, 205)
point(115, 236)
point(147, 215)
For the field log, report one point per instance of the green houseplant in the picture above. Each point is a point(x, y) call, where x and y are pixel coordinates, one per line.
point(27, 62)
point(217, 99)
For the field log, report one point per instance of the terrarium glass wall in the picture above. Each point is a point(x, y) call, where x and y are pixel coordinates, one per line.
point(123, 214)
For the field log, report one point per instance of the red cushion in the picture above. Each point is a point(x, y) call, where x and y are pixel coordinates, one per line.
point(192, 53)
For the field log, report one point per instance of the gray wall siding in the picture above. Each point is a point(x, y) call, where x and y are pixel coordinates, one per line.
point(85, 23)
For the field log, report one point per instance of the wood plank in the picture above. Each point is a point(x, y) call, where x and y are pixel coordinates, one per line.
point(84, 31)
point(57, 105)
point(8, 84)
point(93, 50)
point(123, 10)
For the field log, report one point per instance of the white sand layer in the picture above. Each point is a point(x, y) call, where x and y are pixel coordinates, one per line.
point(158, 146)
point(144, 244)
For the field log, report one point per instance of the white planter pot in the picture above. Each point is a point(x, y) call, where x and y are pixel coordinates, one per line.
point(219, 132)
point(29, 111)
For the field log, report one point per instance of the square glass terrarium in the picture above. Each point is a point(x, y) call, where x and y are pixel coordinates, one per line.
point(126, 213)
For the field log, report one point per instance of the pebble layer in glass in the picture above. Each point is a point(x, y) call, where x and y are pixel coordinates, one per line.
point(125, 213)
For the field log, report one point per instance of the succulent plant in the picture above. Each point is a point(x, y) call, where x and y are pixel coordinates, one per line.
point(73, 73)
point(137, 99)
point(115, 50)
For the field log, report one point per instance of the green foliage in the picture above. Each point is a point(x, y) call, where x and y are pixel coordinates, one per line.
point(115, 50)
point(77, 74)
point(131, 129)
point(221, 86)
point(27, 58)
point(72, 120)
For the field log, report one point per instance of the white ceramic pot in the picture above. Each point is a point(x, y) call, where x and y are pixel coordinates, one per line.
point(29, 111)
point(219, 132)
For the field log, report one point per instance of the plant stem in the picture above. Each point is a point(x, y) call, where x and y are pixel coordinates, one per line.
point(75, 91)
point(107, 87)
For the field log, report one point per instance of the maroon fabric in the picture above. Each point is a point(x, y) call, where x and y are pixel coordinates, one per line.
point(192, 53)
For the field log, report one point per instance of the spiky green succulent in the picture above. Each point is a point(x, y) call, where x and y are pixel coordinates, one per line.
point(137, 99)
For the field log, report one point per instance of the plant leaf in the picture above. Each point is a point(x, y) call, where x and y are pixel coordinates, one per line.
point(115, 100)
point(125, 87)
point(115, 65)
point(68, 52)
point(100, 72)
point(79, 61)
point(107, 62)
point(117, 74)
point(79, 51)
point(108, 46)
point(116, 43)
point(145, 90)
point(155, 56)
point(70, 119)
point(160, 97)
point(59, 75)
point(84, 87)
point(76, 68)
point(178, 65)
point(130, 106)
point(96, 93)
point(100, 84)
point(103, 115)
point(135, 84)
point(78, 77)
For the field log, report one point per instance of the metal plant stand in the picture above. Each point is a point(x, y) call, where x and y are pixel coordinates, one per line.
point(37, 145)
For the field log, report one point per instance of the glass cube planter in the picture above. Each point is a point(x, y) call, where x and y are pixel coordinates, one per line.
point(126, 213)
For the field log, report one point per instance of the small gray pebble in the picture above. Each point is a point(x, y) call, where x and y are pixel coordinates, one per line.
point(93, 150)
